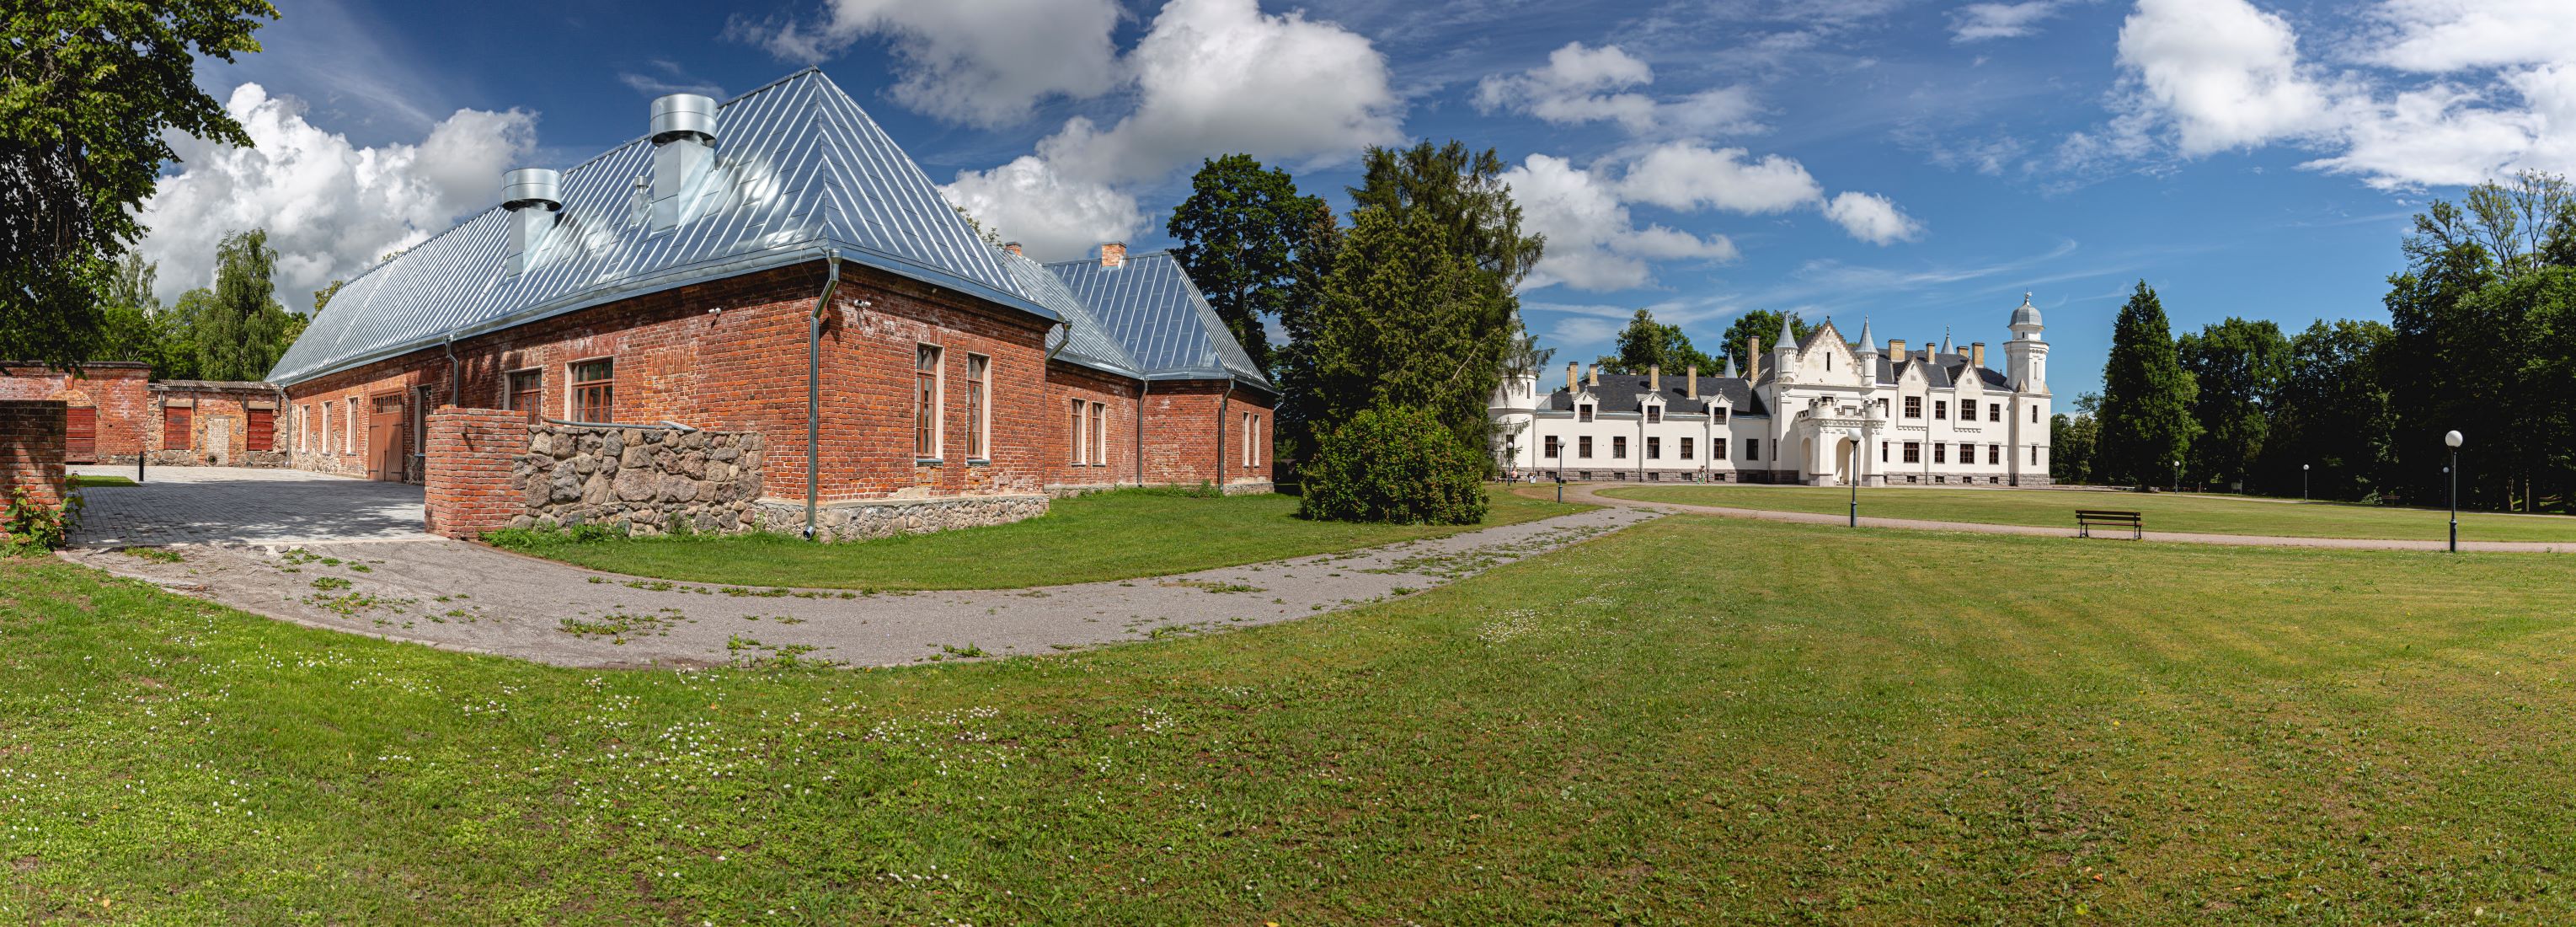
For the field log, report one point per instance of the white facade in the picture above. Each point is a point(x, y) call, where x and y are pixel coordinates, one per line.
point(1821, 412)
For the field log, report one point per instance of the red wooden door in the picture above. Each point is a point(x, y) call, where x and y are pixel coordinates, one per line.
point(262, 435)
point(384, 439)
point(176, 424)
point(80, 434)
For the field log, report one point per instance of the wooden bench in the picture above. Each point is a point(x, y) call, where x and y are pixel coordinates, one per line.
point(2085, 519)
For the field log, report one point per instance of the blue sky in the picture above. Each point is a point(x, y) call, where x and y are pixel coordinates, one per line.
point(1920, 163)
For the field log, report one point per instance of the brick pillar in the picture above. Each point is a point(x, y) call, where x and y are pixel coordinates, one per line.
point(31, 448)
point(468, 464)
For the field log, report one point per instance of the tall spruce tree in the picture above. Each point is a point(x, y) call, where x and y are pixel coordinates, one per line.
point(1238, 235)
point(1400, 325)
point(2146, 396)
point(1319, 239)
point(2237, 367)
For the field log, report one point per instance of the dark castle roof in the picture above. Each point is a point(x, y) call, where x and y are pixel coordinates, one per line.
point(1624, 392)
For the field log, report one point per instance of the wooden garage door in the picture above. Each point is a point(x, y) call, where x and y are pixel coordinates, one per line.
point(385, 439)
point(262, 429)
point(80, 434)
point(175, 422)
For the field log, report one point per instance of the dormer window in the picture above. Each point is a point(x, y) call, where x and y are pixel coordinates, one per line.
point(1717, 415)
point(1583, 412)
point(1654, 413)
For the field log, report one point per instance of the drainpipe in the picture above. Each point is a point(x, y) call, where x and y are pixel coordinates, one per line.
point(455, 374)
point(1145, 388)
point(814, 386)
point(1060, 343)
point(1223, 406)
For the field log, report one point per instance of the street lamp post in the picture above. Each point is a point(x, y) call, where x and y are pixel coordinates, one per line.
point(2177, 486)
point(1855, 484)
point(2303, 482)
point(2453, 439)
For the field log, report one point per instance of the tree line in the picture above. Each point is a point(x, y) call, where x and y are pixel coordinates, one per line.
point(2481, 339)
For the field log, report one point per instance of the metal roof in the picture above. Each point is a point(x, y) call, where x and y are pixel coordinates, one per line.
point(1150, 306)
point(799, 167)
point(1091, 345)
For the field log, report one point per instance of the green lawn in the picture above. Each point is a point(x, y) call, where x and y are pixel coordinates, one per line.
point(85, 481)
point(1102, 536)
point(1804, 725)
point(2164, 511)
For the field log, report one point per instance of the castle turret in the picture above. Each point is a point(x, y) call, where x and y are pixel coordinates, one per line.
point(2025, 356)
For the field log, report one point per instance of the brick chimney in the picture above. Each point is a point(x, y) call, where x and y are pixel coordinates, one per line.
point(1896, 350)
point(1113, 254)
point(1977, 354)
point(1570, 381)
point(1752, 358)
point(1011, 246)
point(1654, 378)
point(1693, 376)
point(1591, 375)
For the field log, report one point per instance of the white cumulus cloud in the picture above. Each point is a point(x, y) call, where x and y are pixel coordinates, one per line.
point(1872, 218)
point(2434, 92)
point(1211, 77)
point(1688, 175)
point(978, 62)
point(1592, 243)
point(1580, 84)
point(1053, 218)
point(330, 208)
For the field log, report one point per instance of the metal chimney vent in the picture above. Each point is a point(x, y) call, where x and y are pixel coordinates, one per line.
point(684, 138)
point(532, 195)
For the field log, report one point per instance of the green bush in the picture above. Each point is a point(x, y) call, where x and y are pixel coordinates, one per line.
point(29, 526)
point(1394, 465)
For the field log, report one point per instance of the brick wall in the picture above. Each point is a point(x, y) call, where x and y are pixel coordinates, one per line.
point(116, 390)
point(1054, 441)
point(31, 448)
point(208, 404)
point(1188, 423)
point(471, 453)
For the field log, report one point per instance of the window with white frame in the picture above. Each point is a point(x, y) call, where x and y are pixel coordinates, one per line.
point(322, 433)
point(1913, 407)
point(927, 394)
point(1654, 448)
point(349, 429)
point(1552, 448)
point(1583, 413)
point(1077, 431)
point(1686, 448)
point(979, 424)
point(1100, 434)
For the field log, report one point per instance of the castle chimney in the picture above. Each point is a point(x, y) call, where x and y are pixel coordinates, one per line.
point(1569, 377)
point(1654, 378)
point(1977, 354)
point(1592, 375)
point(1752, 358)
point(1113, 254)
point(684, 151)
point(1896, 350)
point(1011, 246)
point(1693, 375)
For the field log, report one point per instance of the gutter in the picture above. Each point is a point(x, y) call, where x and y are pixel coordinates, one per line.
point(1061, 343)
point(455, 374)
point(1224, 408)
point(814, 385)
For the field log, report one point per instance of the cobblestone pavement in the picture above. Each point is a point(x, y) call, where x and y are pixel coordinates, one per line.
point(467, 597)
point(243, 505)
point(1590, 493)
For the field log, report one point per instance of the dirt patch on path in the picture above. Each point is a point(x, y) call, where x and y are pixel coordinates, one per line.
point(465, 597)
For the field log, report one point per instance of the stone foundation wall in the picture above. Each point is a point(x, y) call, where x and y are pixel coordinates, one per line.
point(865, 519)
point(637, 480)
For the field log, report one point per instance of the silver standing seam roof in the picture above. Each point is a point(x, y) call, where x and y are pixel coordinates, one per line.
point(1091, 345)
point(1150, 306)
point(799, 168)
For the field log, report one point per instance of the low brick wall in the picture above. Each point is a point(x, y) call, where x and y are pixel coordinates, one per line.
point(471, 454)
point(637, 480)
point(864, 519)
point(31, 448)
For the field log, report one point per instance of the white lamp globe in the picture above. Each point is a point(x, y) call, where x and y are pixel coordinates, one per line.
point(2452, 439)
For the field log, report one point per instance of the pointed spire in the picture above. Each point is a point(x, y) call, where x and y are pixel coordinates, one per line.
point(1730, 366)
point(1945, 340)
point(1868, 338)
point(1786, 339)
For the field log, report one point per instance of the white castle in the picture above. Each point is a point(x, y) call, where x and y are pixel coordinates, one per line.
point(1817, 412)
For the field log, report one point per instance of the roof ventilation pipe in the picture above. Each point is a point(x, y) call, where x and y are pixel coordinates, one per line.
point(684, 152)
point(532, 195)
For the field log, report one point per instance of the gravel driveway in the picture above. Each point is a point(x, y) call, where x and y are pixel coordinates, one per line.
point(467, 597)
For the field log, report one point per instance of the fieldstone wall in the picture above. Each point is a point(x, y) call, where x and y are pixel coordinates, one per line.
point(864, 519)
point(636, 480)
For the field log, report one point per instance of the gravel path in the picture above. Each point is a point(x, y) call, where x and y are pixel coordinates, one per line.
point(1589, 493)
point(467, 597)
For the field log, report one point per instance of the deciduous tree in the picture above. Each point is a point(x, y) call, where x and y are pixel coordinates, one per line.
point(1238, 237)
point(2237, 367)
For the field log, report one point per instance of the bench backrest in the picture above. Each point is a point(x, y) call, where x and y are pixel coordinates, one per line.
point(2100, 513)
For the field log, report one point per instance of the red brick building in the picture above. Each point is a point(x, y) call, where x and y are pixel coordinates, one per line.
point(775, 264)
point(108, 409)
